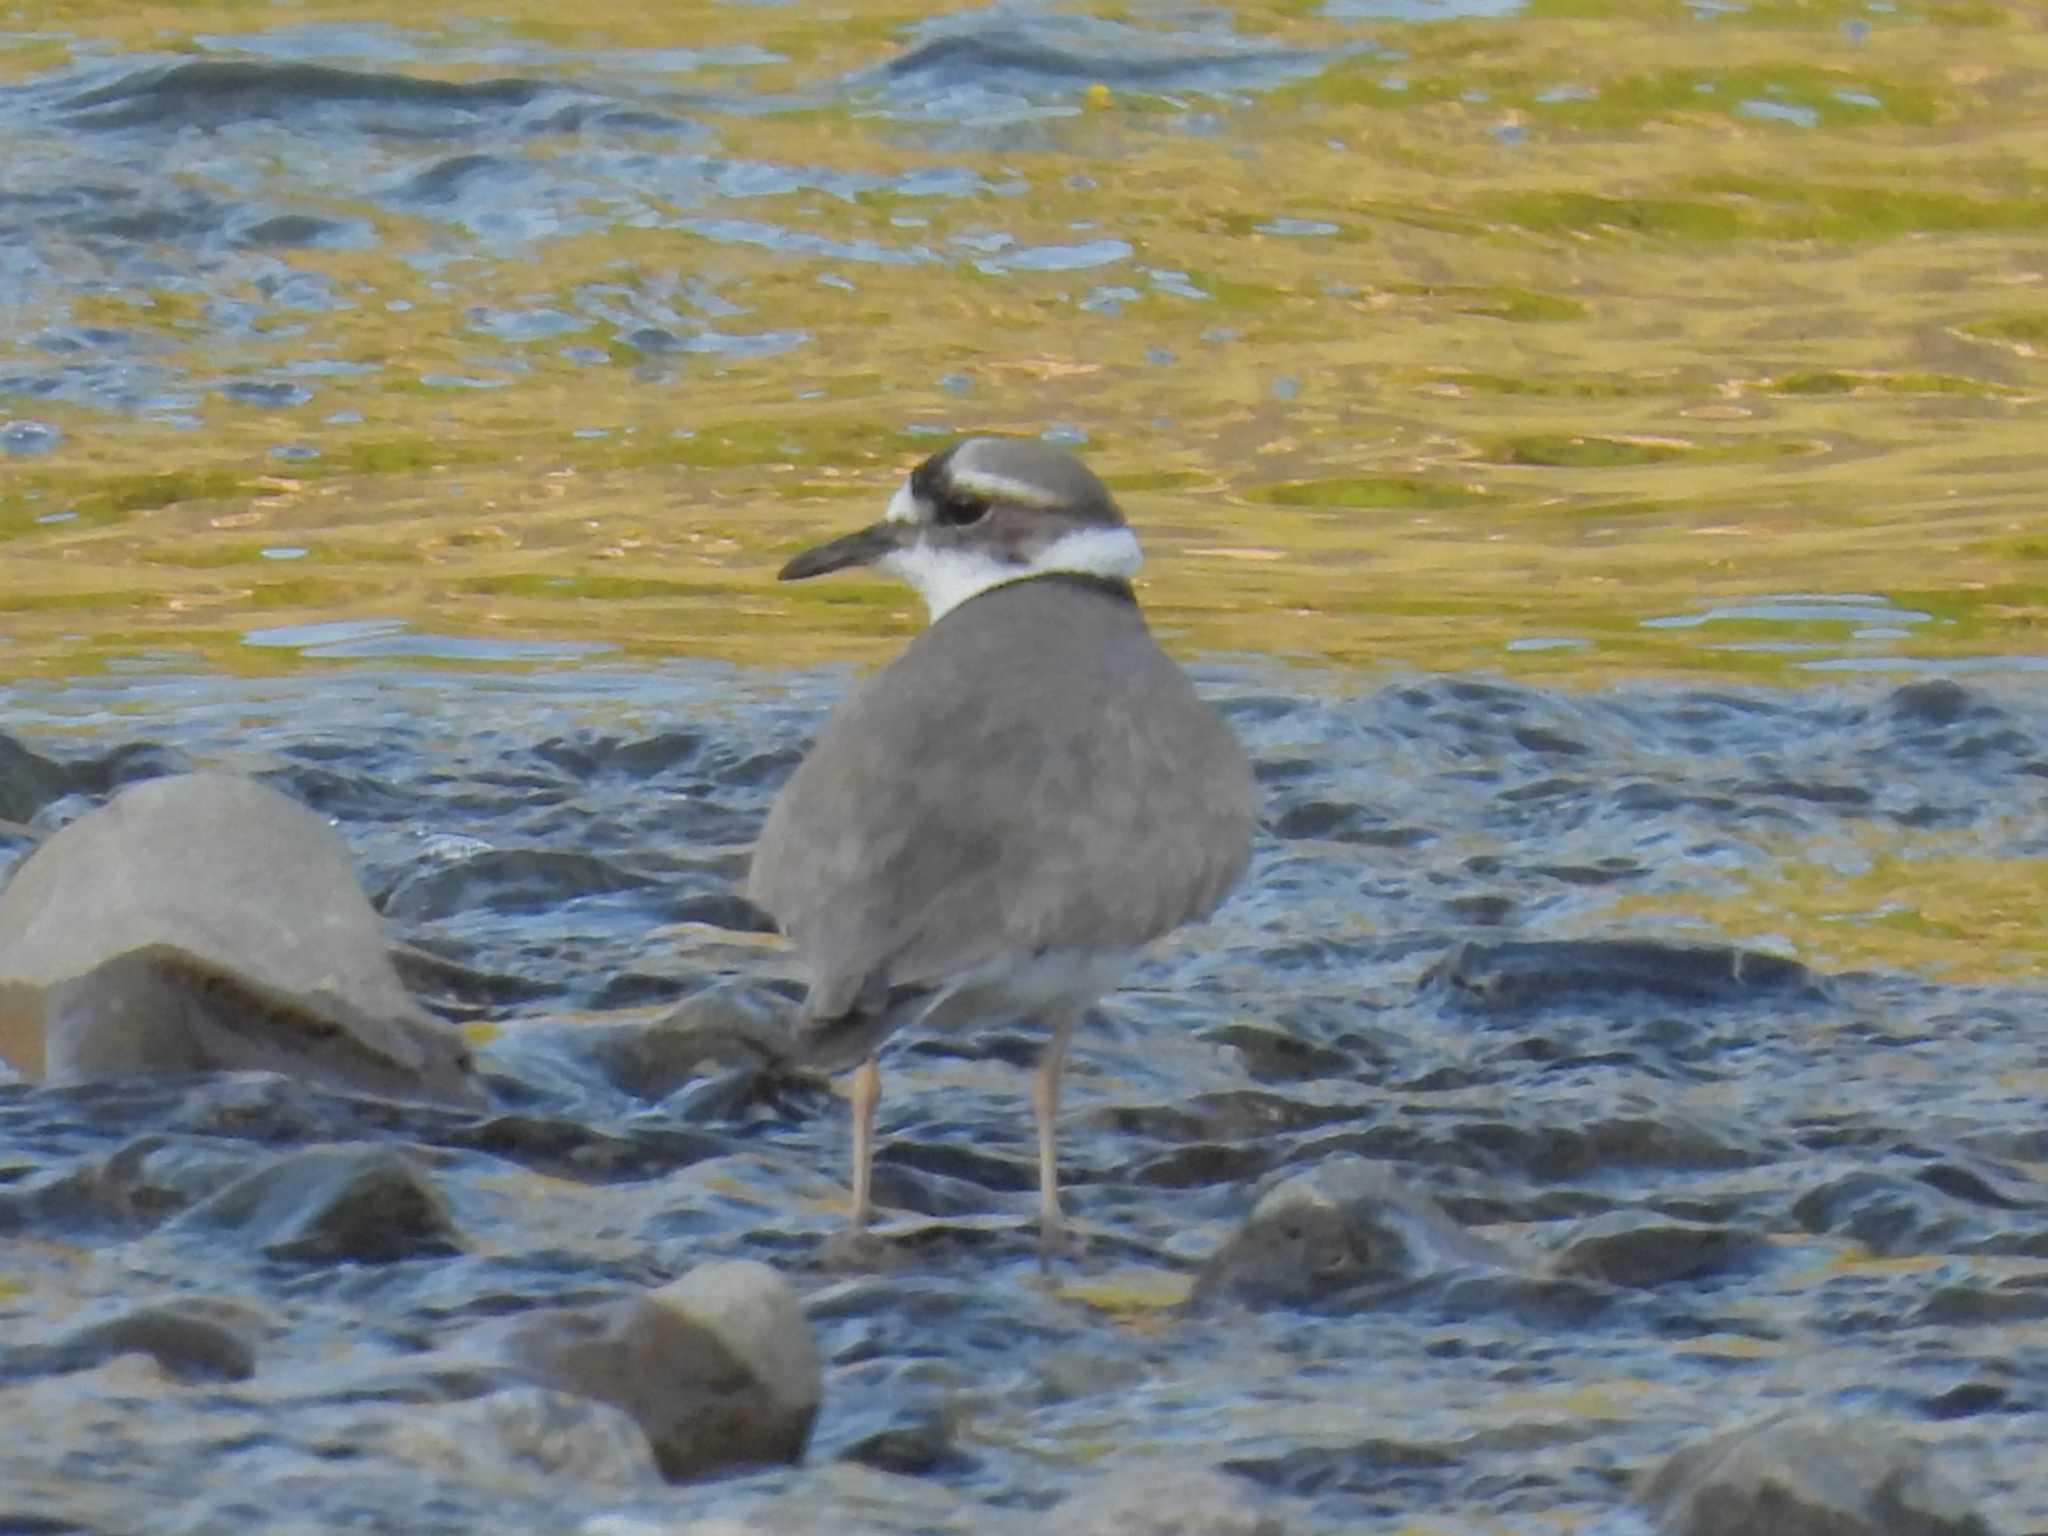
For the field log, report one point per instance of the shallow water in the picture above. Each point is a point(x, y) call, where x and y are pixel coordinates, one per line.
point(1869, 1149)
point(1587, 432)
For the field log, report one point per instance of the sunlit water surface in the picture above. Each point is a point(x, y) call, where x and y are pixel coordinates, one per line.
point(1560, 430)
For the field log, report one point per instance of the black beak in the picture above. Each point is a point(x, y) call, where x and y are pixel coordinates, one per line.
point(864, 547)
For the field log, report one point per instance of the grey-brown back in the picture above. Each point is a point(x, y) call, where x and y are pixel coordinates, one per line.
point(1032, 773)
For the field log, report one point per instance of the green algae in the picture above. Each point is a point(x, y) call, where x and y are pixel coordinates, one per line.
point(1561, 451)
point(1571, 212)
point(1834, 381)
point(1377, 491)
point(2020, 330)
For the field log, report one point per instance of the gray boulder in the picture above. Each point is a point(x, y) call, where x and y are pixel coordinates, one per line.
point(719, 1368)
point(1806, 1476)
point(207, 922)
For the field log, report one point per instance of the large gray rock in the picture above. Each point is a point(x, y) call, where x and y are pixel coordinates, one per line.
point(719, 1368)
point(205, 921)
point(1806, 1476)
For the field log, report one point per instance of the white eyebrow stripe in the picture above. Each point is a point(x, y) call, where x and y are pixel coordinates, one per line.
point(992, 487)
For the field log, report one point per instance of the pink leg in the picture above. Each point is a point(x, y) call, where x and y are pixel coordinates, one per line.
point(865, 1093)
point(1045, 1104)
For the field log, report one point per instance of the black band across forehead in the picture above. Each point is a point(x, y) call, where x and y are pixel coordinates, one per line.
point(928, 480)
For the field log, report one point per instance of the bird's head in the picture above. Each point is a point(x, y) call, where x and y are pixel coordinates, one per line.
point(982, 513)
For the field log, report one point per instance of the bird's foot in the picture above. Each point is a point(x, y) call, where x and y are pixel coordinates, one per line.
point(1058, 1243)
point(859, 1250)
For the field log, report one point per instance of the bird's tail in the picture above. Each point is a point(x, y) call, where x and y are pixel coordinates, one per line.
point(845, 1040)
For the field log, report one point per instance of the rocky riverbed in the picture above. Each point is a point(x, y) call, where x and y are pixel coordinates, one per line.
point(1445, 1179)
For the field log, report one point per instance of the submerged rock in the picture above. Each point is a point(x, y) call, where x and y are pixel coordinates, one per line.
point(1806, 1476)
point(721, 1032)
point(189, 1341)
point(207, 922)
point(1502, 978)
point(1341, 1233)
point(1638, 1249)
point(30, 781)
point(521, 1434)
point(719, 1368)
point(1166, 1498)
point(366, 1205)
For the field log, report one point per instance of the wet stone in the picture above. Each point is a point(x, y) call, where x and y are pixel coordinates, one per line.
point(253, 1106)
point(719, 1368)
point(1512, 977)
point(366, 1205)
point(639, 758)
point(1342, 1235)
point(156, 1176)
point(1551, 1151)
point(524, 1433)
point(456, 990)
point(508, 880)
point(1638, 1249)
point(569, 1148)
point(1272, 1056)
point(2023, 1299)
point(917, 1442)
point(1398, 1474)
point(1968, 1399)
point(1204, 1165)
point(1888, 1215)
point(1976, 1188)
point(28, 780)
point(1166, 1498)
point(1339, 823)
point(186, 1342)
point(1061, 54)
point(721, 909)
point(220, 92)
point(1807, 1476)
point(717, 1030)
point(207, 922)
point(1939, 701)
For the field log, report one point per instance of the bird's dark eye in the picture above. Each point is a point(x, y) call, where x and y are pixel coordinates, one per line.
point(959, 509)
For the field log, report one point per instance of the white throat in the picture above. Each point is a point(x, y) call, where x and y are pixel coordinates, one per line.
point(946, 578)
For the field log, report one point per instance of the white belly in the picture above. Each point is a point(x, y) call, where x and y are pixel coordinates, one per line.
point(1042, 986)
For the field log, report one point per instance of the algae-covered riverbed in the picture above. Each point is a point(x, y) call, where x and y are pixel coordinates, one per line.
point(1594, 452)
point(1570, 342)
